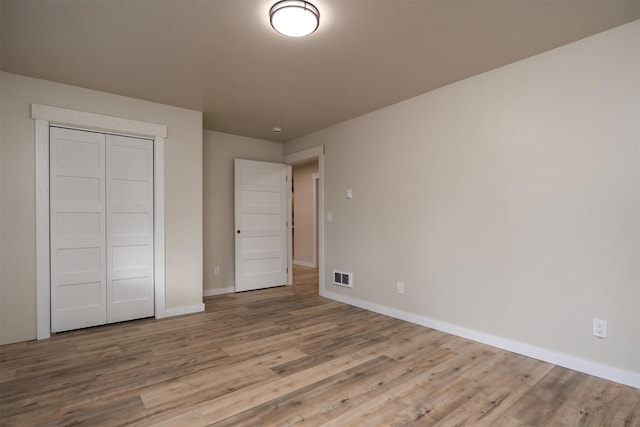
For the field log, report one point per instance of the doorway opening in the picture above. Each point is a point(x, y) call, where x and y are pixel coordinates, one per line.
point(304, 218)
point(304, 221)
point(306, 254)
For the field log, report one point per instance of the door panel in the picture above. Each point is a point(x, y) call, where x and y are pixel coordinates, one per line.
point(260, 219)
point(77, 221)
point(129, 228)
point(74, 295)
point(101, 216)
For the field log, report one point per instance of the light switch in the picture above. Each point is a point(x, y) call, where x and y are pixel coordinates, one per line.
point(349, 193)
point(329, 216)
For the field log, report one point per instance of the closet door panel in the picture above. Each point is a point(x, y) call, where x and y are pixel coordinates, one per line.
point(130, 292)
point(77, 226)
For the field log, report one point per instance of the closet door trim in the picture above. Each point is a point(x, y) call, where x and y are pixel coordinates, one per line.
point(45, 116)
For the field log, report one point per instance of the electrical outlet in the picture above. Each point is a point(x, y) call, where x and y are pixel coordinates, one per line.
point(400, 288)
point(600, 328)
point(216, 271)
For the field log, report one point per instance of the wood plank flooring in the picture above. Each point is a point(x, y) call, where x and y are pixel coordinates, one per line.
point(287, 357)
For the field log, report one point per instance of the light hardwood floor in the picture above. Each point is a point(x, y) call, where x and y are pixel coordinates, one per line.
point(284, 357)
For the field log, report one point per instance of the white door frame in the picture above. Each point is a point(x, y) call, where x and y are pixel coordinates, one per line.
point(304, 156)
point(45, 116)
point(315, 182)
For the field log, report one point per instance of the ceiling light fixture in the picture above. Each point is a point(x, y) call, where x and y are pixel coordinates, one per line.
point(294, 18)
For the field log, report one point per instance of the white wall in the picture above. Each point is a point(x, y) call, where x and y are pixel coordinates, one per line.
point(508, 204)
point(218, 153)
point(303, 235)
point(183, 193)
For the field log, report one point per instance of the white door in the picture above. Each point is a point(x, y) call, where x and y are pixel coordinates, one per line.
point(101, 214)
point(77, 218)
point(129, 228)
point(260, 224)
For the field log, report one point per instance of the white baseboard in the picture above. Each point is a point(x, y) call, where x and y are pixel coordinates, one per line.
point(219, 291)
point(187, 309)
point(588, 367)
point(304, 263)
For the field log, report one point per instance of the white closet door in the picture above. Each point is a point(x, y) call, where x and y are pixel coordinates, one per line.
point(130, 281)
point(77, 215)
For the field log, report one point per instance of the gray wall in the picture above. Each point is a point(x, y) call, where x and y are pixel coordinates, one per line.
point(219, 151)
point(183, 193)
point(508, 203)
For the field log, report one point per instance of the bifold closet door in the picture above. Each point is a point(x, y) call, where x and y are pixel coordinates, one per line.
point(101, 223)
point(77, 226)
point(129, 228)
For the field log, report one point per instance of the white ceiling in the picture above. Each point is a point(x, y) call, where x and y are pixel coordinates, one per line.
point(221, 57)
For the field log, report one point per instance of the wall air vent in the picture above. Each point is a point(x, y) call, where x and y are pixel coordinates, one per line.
point(343, 279)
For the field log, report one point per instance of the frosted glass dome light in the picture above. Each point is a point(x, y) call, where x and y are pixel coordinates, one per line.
point(294, 18)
